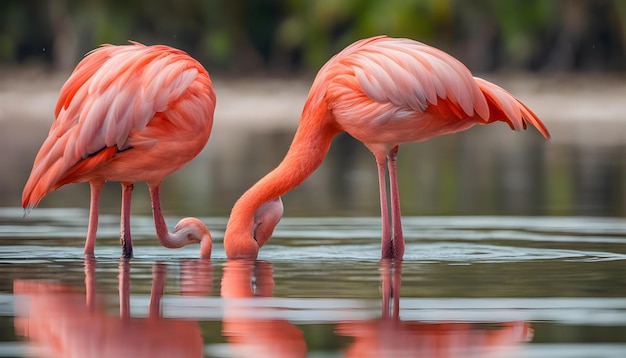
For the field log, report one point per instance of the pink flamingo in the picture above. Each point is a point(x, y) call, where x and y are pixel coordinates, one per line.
point(128, 113)
point(384, 92)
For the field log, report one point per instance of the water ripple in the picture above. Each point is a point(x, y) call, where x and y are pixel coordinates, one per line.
point(437, 252)
point(445, 239)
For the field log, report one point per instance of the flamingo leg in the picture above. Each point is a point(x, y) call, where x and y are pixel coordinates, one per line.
point(125, 239)
point(387, 245)
point(90, 242)
point(396, 218)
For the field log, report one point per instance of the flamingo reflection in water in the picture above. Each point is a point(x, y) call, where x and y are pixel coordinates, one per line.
point(249, 333)
point(391, 337)
point(60, 321)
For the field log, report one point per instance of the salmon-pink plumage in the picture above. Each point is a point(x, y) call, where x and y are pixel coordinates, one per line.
point(128, 113)
point(384, 92)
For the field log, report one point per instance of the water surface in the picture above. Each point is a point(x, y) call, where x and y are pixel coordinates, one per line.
point(468, 287)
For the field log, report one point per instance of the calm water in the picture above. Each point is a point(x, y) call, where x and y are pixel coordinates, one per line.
point(468, 287)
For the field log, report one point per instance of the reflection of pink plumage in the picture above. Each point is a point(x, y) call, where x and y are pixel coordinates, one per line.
point(391, 337)
point(396, 338)
point(61, 322)
point(130, 114)
point(247, 327)
point(384, 92)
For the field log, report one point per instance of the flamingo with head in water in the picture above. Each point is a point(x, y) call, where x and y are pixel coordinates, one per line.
point(384, 92)
point(130, 114)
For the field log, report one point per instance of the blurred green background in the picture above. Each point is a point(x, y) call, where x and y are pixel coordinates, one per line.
point(249, 37)
point(563, 58)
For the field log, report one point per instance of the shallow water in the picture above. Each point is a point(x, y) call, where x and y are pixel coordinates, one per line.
point(468, 287)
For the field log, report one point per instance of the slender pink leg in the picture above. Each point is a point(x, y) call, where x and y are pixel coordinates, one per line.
point(125, 239)
point(396, 217)
point(386, 244)
point(124, 288)
point(156, 292)
point(90, 242)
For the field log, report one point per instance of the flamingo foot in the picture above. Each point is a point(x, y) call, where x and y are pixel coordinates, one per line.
point(127, 249)
point(398, 246)
point(125, 238)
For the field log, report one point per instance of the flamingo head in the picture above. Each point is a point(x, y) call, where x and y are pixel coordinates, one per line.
point(192, 231)
point(266, 218)
point(245, 236)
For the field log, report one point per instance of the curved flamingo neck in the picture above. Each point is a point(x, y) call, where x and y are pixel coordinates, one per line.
point(166, 238)
point(306, 153)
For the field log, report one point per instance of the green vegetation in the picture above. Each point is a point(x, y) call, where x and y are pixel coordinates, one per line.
point(244, 37)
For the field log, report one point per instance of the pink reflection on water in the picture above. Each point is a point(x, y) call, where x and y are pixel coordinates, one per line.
point(391, 337)
point(248, 333)
point(60, 321)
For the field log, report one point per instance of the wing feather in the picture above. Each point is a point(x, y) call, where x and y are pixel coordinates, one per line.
point(380, 79)
point(408, 75)
point(113, 92)
point(504, 107)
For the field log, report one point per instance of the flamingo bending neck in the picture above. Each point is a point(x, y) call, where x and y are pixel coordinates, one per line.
point(188, 230)
point(306, 153)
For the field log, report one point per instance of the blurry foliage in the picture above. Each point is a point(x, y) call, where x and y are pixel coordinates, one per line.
point(283, 36)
